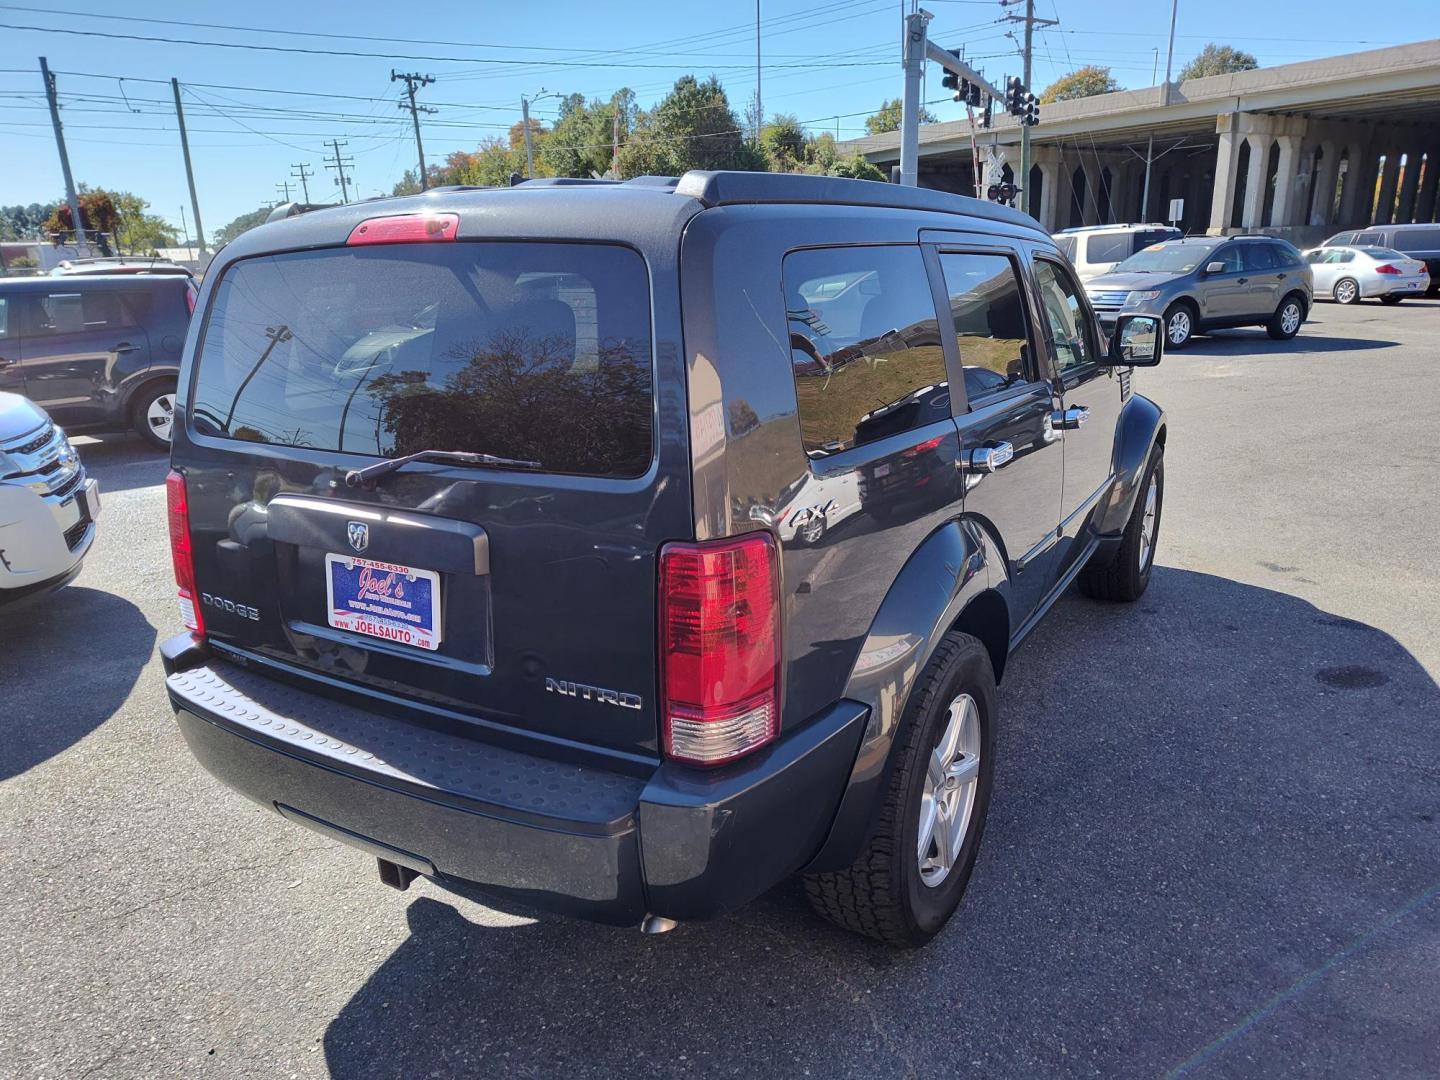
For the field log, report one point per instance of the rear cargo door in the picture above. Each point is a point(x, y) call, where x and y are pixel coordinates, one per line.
point(519, 595)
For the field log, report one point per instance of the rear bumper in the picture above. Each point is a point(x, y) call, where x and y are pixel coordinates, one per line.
point(557, 833)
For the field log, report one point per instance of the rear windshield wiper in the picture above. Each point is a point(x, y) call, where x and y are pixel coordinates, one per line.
point(367, 476)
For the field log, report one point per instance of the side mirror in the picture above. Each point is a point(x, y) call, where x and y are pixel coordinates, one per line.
point(1216, 267)
point(1137, 341)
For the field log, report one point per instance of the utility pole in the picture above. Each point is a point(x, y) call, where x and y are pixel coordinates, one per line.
point(64, 157)
point(189, 172)
point(184, 226)
point(339, 163)
point(303, 175)
point(1150, 145)
point(284, 188)
point(759, 106)
point(915, 30)
point(529, 145)
point(414, 82)
point(1030, 22)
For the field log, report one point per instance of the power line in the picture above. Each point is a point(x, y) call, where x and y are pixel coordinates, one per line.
point(339, 164)
point(414, 82)
point(114, 35)
point(303, 176)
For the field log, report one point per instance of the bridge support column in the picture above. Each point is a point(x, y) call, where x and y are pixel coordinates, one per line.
point(1227, 164)
point(1322, 203)
point(1255, 180)
point(1425, 207)
point(1283, 208)
point(1389, 181)
point(1409, 186)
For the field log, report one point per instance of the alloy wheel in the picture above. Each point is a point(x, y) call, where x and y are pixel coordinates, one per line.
point(1147, 524)
point(1290, 318)
point(952, 779)
point(1345, 292)
point(1179, 327)
point(160, 416)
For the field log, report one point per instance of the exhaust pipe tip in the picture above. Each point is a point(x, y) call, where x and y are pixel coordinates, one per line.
point(657, 924)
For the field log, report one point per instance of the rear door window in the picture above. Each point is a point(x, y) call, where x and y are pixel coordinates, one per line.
point(1368, 238)
point(864, 345)
point(1415, 239)
point(1107, 247)
point(988, 310)
point(1257, 256)
point(532, 351)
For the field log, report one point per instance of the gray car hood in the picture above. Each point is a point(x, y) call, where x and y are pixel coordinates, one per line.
point(19, 416)
point(1106, 282)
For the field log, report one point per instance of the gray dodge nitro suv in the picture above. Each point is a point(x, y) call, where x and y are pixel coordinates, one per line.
point(477, 515)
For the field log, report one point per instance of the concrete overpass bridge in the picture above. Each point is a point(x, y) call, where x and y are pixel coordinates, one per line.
point(1297, 150)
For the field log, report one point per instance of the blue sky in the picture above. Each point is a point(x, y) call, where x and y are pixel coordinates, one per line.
point(822, 61)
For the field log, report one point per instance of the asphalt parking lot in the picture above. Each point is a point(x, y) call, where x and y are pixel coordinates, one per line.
point(1214, 847)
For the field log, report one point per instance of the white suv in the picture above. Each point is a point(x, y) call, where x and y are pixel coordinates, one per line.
point(1095, 249)
point(47, 504)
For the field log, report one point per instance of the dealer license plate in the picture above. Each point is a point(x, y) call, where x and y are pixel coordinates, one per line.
point(384, 600)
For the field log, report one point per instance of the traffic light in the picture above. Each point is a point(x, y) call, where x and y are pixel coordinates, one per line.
point(951, 81)
point(975, 94)
point(1031, 116)
point(1014, 96)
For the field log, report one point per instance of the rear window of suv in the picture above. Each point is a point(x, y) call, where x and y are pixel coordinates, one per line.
point(534, 351)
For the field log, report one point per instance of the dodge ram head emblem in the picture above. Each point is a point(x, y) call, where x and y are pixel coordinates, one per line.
point(359, 533)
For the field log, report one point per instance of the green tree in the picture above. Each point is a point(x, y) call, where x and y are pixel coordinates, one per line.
point(693, 127)
point(22, 222)
point(243, 223)
point(890, 115)
point(783, 142)
point(139, 232)
point(489, 165)
point(409, 184)
point(1218, 60)
point(857, 168)
point(98, 215)
point(581, 143)
point(1083, 82)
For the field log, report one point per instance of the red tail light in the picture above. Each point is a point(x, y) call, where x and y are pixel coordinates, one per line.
point(181, 551)
point(190, 296)
point(405, 229)
point(921, 448)
point(1386, 268)
point(719, 648)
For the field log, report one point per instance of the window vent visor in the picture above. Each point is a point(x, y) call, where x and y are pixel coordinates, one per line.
point(405, 229)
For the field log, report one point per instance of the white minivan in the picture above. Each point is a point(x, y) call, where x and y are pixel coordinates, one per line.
point(48, 505)
point(1096, 249)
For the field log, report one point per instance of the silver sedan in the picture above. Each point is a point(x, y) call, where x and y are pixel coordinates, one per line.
point(1347, 274)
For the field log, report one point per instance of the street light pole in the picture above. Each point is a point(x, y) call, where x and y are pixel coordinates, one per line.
point(1165, 100)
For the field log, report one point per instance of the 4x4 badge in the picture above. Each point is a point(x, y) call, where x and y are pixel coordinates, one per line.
point(359, 535)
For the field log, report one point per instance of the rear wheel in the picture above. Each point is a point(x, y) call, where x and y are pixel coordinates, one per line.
point(912, 872)
point(1126, 574)
point(1391, 300)
point(152, 414)
point(1285, 323)
point(813, 531)
point(1179, 326)
point(1346, 291)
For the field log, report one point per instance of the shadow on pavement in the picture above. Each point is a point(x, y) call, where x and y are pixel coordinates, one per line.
point(72, 658)
point(122, 462)
point(1244, 342)
point(1213, 847)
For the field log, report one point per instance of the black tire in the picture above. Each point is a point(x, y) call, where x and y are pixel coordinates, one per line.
point(1391, 300)
point(1179, 320)
point(1287, 320)
point(154, 393)
point(1346, 291)
point(882, 894)
point(1125, 575)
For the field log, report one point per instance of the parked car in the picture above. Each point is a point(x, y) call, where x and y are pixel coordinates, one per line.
point(506, 605)
point(1204, 283)
point(48, 506)
point(817, 505)
point(118, 264)
point(98, 353)
point(1097, 249)
point(1416, 241)
point(1348, 274)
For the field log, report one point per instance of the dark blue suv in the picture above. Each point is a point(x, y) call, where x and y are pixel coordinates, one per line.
point(476, 509)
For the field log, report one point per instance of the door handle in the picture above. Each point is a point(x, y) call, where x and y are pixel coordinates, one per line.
point(1071, 418)
point(1280, 277)
point(1241, 280)
point(125, 347)
point(4, 363)
point(988, 459)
